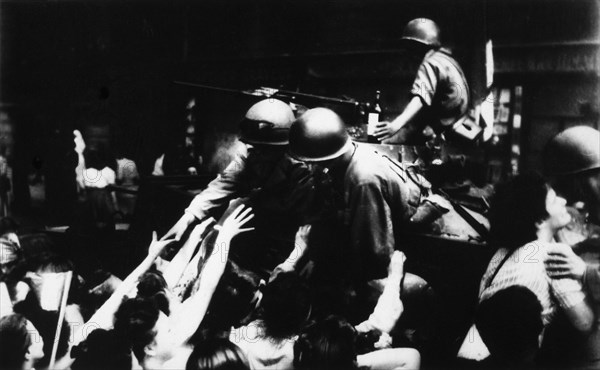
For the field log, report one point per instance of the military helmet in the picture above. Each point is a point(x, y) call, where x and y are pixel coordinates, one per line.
point(267, 123)
point(424, 31)
point(318, 135)
point(573, 150)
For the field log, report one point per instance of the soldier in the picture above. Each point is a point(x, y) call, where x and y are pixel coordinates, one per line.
point(572, 160)
point(273, 181)
point(440, 91)
point(369, 201)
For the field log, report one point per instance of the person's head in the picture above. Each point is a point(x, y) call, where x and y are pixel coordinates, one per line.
point(572, 161)
point(45, 324)
point(20, 342)
point(217, 354)
point(285, 305)
point(510, 323)
point(521, 207)
point(9, 228)
point(101, 350)
point(145, 327)
point(152, 285)
point(420, 35)
point(267, 123)
point(232, 301)
point(326, 344)
point(319, 137)
point(97, 158)
point(11, 257)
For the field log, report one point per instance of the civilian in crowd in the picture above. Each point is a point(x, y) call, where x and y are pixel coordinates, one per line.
point(525, 216)
point(21, 344)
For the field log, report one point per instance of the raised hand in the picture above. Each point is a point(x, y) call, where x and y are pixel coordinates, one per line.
point(232, 224)
point(158, 246)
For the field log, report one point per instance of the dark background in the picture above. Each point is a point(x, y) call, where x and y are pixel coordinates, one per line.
point(65, 64)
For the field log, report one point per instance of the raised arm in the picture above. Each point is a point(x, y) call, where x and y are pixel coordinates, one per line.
point(185, 321)
point(218, 192)
point(389, 307)
point(300, 246)
point(103, 318)
point(176, 267)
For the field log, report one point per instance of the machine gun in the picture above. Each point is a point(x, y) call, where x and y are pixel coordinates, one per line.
point(350, 109)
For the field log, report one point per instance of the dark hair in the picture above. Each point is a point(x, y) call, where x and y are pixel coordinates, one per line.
point(14, 341)
point(35, 245)
point(516, 208)
point(45, 322)
point(103, 349)
point(217, 354)
point(231, 302)
point(510, 323)
point(285, 306)
point(8, 225)
point(326, 344)
point(52, 262)
point(135, 320)
point(152, 285)
point(99, 158)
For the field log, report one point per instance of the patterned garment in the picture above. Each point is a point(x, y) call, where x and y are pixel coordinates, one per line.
point(525, 267)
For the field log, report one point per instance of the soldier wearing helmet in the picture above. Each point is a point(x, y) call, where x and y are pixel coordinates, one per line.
point(440, 93)
point(572, 161)
point(267, 176)
point(370, 200)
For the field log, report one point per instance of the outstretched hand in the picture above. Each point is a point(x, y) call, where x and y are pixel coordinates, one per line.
point(158, 246)
point(232, 224)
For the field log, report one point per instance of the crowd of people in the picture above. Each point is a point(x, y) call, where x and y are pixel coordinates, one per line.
point(292, 258)
point(307, 234)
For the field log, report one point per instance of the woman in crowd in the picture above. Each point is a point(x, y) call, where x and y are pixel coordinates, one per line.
point(331, 344)
point(217, 354)
point(525, 216)
point(21, 344)
point(103, 349)
point(268, 342)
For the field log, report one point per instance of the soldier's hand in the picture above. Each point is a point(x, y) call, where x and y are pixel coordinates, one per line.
point(385, 130)
point(562, 262)
point(180, 227)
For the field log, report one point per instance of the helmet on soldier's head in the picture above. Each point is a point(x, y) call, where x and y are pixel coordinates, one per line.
point(424, 31)
point(267, 123)
point(318, 135)
point(572, 151)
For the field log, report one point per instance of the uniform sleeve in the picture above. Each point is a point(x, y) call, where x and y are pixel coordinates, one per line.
point(591, 281)
point(372, 230)
point(220, 191)
point(425, 83)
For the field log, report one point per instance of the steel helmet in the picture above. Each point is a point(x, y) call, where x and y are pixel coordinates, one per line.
point(318, 135)
point(424, 31)
point(267, 123)
point(574, 150)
